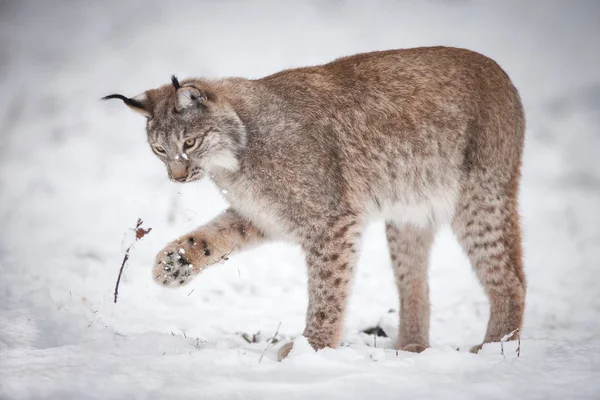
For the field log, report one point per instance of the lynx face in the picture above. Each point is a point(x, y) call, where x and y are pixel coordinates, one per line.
point(189, 129)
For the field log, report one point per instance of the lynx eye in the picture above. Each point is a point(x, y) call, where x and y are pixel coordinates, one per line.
point(159, 150)
point(188, 144)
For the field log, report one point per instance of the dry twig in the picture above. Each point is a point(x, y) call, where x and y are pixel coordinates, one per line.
point(271, 341)
point(139, 233)
point(255, 338)
point(224, 257)
point(506, 338)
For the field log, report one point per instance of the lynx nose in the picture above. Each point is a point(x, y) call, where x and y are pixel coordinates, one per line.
point(178, 171)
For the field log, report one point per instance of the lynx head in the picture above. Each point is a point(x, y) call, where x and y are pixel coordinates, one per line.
point(190, 128)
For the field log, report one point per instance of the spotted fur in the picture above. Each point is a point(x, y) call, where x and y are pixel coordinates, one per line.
point(419, 137)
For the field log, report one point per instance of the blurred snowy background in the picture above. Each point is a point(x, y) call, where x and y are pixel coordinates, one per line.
point(76, 173)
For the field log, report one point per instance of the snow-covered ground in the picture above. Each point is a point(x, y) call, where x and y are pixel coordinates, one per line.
point(76, 173)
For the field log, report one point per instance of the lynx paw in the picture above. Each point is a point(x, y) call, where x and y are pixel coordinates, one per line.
point(174, 265)
point(414, 348)
point(475, 349)
point(284, 351)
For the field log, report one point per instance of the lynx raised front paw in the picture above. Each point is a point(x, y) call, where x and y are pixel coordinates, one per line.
point(179, 262)
point(172, 268)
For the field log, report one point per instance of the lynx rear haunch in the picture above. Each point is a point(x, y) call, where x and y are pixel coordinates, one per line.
point(419, 137)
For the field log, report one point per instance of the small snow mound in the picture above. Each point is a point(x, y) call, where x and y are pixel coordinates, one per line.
point(343, 354)
point(377, 354)
point(389, 323)
point(301, 347)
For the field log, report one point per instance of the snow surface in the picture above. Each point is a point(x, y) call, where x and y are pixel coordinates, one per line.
point(76, 173)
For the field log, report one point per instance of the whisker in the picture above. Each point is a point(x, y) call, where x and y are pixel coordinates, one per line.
point(162, 181)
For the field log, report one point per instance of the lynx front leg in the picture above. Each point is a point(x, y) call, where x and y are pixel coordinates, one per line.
point(187, 256)
point(330, 260)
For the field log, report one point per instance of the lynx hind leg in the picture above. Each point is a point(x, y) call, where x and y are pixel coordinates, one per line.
point(409, 251)
point(487, 226)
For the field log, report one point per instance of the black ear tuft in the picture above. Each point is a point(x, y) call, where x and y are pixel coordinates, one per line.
point(175, 82)
point(139, 103)
point(126, 100)
point(115, 96)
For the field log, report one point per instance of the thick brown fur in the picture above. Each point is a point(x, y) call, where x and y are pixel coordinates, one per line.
point(420, 137)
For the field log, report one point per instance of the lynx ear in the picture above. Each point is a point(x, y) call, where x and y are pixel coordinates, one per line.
point(139, 103)
point(190, 96)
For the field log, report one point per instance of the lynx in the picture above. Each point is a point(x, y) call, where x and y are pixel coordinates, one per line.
point(419, 137)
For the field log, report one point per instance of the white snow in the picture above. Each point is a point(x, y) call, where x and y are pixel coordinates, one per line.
point(76, 173)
